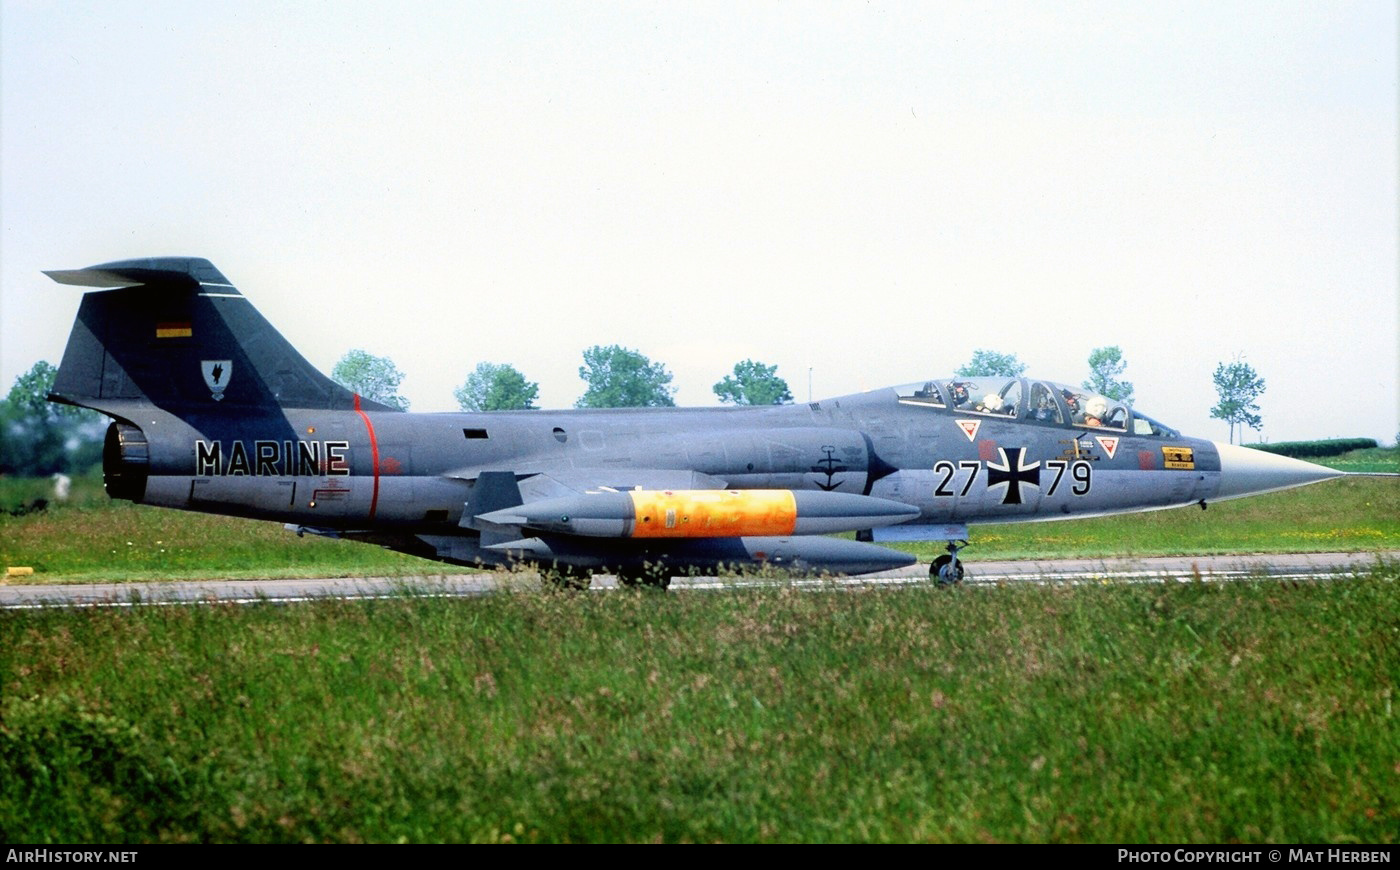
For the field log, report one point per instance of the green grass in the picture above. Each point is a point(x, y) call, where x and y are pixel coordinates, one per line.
point(1375, 459)
point(1250, 711)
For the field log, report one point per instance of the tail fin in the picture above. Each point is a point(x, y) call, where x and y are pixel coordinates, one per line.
point(173, 332)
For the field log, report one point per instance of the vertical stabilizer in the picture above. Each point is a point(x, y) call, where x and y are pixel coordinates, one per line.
point(174, 333)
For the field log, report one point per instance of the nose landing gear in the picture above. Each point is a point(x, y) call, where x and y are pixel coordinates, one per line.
point(947, 570)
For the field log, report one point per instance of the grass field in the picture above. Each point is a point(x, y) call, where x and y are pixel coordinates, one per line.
point(1376, 459)
point(1251, 711)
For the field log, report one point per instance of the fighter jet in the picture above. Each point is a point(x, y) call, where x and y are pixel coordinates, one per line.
point(214, 411)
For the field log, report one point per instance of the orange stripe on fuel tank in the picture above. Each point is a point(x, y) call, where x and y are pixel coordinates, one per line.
point(709, 513)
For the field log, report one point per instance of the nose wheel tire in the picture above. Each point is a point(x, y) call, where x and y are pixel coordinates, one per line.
point(944, 572)
point(947, 570)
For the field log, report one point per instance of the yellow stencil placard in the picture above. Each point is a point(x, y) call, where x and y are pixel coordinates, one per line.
point(1178, 457)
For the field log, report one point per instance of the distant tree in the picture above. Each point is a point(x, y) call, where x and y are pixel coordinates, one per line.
point(1239, 386)
point(497, 387)
point(29, 393)
point(1105, 365)
point(989, 363)
point(39, 437)
point(374, 377)
point(619, 377)
point(753, 383)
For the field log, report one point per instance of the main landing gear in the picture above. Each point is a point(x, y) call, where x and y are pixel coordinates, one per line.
point(947, 570)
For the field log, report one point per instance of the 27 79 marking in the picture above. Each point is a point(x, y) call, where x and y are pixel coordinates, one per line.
point(1081, 475)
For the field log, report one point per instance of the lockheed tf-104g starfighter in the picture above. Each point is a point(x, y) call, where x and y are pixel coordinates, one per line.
point(213, 410)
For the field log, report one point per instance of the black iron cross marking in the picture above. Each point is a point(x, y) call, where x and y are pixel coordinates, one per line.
point(1013, 473)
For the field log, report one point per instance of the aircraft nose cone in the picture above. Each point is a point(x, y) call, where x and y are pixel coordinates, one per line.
point(1248, 472)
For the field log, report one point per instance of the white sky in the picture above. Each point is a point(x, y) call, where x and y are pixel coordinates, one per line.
point(868, 191)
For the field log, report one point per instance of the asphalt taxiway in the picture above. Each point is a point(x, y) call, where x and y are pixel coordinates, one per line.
point(1287, 566)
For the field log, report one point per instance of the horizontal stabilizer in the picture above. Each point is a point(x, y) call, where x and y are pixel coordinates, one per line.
point(165, 271)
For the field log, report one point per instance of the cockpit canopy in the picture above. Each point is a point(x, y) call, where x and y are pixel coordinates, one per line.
point(1030, 400)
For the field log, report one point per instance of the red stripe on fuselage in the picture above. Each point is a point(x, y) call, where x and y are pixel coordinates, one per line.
point(374, 456)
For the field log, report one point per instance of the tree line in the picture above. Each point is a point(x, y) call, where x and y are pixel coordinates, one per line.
point(38, 437)
point(616, 377)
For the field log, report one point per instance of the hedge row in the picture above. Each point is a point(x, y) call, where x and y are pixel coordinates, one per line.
point(1314, 449)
